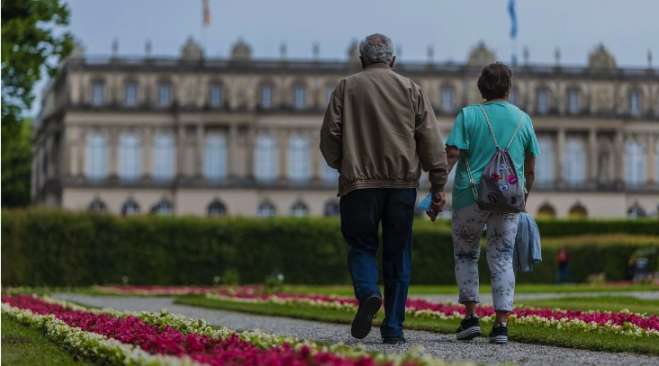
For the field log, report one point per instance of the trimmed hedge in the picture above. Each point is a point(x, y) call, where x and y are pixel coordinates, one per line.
point(55, 248)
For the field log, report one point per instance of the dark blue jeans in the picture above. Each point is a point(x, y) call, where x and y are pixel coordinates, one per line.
point(361, 213)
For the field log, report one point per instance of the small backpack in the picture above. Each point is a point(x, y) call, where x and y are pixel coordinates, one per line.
point(499, 189)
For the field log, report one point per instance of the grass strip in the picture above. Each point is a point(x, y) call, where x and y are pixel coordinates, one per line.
point(601, 303)
point(23, 345)
point(517, 332)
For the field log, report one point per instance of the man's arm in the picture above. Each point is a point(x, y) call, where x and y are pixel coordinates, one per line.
point(331, 133)
point(529, 173)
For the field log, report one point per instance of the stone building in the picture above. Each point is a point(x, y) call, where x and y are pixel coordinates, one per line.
point(239, 135)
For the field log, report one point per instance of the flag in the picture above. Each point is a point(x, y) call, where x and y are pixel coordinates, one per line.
point(513, 19)
point(207, 14)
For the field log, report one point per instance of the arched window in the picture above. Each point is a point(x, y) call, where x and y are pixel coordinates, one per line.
point(299, 167)
point(546, 211)
point(217, 208)
point(266, 167)
point(216, 95)
point(635, 102)
point(165, 94)
point(573, 101)
point(265, 96)
point(574, 165)
point(578, 211)
point(130, 93)
point(636, 211)
point(330, 176)
point(130, 157)
point(165, 151)
point(98, 93)
point(542, 105)
point(164, 207)
point(266, 209)
point(97, 205)
point(299, 209)
point(215, 156)
point(96, 156)
point(130, 207)
point(545, 166)
point(299, 96)
point(634, 162)
point(447, 98)
point(331, 208)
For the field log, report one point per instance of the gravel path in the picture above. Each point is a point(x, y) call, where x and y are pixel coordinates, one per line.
point(487, 298)
point(440, 345)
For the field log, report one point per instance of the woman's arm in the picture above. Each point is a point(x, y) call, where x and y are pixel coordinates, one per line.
point(452, 156)
point(529, 173)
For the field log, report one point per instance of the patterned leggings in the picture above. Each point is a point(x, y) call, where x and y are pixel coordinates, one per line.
point(468, 223)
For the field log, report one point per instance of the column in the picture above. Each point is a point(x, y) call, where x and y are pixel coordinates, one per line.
point(316, 157)
point(113, 144)
point(198, 170)
point(82, 139)
point(233, 156)
point(650, 162)
point(180, 150)
point(147, 152)
point(282, 146)
point(592, 156)
point(249, 146)
point(560, 155)
point(619, 157)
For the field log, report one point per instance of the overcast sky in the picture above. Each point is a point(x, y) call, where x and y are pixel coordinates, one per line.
point(627, 28)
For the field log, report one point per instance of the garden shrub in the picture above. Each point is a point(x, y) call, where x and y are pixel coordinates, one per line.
point(56, 248)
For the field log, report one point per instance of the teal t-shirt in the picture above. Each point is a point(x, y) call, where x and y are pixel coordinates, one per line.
point(470, 133)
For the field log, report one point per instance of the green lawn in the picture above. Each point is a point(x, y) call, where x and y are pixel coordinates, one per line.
point(518, 332)
point(610, 303)
point(22, 345)
point(451, 289)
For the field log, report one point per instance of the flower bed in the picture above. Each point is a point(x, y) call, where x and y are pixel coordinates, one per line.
point(622, 322)
point(148, 338)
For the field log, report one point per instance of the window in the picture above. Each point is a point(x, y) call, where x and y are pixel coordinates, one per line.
point(299, 167)
point(266, 167)
point(330, 176)
point(130, 157)
point(299, 209)
point(265, 96)
point(299, 96)
point(98, 93)
point(164, 207)
point(574, 165)
point(542, 101)
point(164, 93)
point(97, 205)
point(578, 212)
point(164, 152)
point(217, 208)
point(331, 208)
point(546, 211)
point(447, 95)
point(545, 166)
point(573, 101)
point(216, 95)
point(130, 94)
point(215, 156)
point(96, 156)
point(635, 103)
point(634, 163)
point(130, 207)
point(266, 209)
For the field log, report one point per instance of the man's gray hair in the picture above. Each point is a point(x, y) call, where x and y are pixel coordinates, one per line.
point(376, 48)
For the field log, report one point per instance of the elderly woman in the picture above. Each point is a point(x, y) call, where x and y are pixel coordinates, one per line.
point(472, 143)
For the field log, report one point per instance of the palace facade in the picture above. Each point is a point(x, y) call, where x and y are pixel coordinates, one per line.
point(240, 136)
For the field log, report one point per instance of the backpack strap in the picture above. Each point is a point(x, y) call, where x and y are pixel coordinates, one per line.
point(489, 126)
point(519, 125)
point(472, 182)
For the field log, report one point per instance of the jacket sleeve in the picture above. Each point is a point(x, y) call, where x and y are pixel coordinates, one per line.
point(331, 133)
point(429, 143)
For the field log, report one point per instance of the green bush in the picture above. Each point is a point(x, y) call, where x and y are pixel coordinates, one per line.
point(55, 248)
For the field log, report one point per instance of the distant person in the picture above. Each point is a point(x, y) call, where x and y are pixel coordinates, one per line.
point(379, 131)
point(480, 131)
point(562, 261)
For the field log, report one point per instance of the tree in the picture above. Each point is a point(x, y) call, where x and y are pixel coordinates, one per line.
point(33, 41)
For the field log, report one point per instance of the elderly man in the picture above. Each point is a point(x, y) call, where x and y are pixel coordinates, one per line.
point(379, 130)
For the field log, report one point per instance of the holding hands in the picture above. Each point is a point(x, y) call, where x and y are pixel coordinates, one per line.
point(437, 205)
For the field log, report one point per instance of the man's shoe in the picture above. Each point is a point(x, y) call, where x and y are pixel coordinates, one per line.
point(361, 324)
point(393, 340)
point(469, 329)
point(499, 334)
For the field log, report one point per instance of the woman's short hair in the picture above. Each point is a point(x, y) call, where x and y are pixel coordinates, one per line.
point(495, 81)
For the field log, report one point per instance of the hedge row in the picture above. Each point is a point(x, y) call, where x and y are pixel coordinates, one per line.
point(76, 249)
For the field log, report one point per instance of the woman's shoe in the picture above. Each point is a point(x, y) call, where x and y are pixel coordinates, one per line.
point(499, 334)
point(469, 329)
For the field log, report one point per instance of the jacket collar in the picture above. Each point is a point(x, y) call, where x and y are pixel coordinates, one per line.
point(378, 65)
